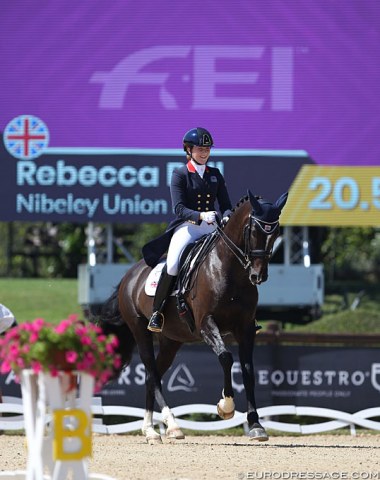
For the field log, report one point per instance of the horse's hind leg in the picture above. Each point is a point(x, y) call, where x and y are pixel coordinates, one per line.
point(153, 392)
point(211, 335)
point(164, 359)
point(153, 373)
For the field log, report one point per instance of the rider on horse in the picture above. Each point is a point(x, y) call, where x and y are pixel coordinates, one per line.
point(194, 189)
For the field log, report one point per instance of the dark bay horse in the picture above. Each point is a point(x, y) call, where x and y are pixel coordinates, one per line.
point(223, 300)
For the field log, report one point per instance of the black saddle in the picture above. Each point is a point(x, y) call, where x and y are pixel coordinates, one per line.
point(191, 259)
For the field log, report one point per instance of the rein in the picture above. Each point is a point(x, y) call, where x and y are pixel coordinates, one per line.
point(246, 257)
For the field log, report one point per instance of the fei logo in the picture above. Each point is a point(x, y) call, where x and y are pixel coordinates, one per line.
point(206, 77)
point(26, 137)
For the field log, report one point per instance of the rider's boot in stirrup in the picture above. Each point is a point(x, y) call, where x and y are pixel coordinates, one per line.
point(164, 288)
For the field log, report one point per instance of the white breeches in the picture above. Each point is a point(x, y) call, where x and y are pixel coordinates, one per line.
point(183, 235)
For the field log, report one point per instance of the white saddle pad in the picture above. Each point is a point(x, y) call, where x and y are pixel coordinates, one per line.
point(152, 280)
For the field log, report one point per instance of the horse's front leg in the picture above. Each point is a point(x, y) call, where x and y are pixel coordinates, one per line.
point(211, 335)
point(246, 339)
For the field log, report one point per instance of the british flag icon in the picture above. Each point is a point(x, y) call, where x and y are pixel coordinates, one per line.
point(26, 137)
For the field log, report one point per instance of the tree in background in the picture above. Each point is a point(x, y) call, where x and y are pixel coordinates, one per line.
point(351, 253)
point(46, 250)
point(55, 250)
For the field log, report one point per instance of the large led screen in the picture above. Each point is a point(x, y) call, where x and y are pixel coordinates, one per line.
point(274, 74)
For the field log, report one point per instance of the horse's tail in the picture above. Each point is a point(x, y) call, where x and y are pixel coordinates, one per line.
point(109, 319)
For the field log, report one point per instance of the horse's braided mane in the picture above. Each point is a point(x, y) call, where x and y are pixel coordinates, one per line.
point(243, 199)
point(240, 202)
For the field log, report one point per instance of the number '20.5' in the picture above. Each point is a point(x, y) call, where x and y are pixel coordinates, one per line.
point(345, 191)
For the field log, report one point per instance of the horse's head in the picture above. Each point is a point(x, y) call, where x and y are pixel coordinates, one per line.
point(260, 233)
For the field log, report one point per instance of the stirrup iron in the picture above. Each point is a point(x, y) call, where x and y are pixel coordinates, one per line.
point(156, 322)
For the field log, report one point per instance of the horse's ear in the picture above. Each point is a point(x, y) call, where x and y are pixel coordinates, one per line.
point(281, 201)
point(255, 203)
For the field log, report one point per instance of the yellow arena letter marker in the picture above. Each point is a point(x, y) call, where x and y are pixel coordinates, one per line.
point(82, 432)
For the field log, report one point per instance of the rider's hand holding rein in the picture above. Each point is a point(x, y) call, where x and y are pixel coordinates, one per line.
point(208, 217)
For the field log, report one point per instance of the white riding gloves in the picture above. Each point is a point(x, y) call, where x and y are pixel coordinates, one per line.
point(226, 216)
point(208, 217)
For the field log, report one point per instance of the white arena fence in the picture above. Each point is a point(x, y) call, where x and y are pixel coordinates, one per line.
point(335, 419)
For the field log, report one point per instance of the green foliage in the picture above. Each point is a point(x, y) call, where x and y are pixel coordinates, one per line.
point(51, 250)
point(41, 249)
point(350, 307)
point(355, 322)
point(136, 236)
point(55, 250)
point(352, 253)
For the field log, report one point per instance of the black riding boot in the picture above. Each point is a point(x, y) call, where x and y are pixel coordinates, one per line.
point(164, 289)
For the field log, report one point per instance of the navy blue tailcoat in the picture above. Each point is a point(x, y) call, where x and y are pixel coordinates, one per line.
point(191, 194)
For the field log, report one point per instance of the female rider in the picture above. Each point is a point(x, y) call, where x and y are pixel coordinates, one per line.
point(194, 189)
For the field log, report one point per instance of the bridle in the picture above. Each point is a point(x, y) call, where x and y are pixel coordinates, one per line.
point(249, 254)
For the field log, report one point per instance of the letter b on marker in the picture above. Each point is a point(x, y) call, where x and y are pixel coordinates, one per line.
point(71, 442)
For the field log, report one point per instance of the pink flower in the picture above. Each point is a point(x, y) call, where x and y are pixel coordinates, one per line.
point(109, 348)
point(80, 330)
point(117, 362)
point(85, 340)
point(33, 337)
point(89, 356)
point(5, 367)
point(14, 350)
point(36, 367)
point(63, 326)
point(71, 356)
point(38, 324)
point(20, 362)
point(26, 326)
point(81, 366)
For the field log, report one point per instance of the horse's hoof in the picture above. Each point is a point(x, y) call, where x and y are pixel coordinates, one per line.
point(257, 432)
point(153, 439)
point(224, 415)
point(175, 434)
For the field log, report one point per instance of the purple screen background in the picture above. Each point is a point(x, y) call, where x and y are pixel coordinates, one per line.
point(258, 74)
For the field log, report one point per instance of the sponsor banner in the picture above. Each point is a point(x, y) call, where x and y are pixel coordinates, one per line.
point(258, 74)
point(334, 196)
point(347, 379)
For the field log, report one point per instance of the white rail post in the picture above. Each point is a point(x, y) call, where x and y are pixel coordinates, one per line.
point(65, 444)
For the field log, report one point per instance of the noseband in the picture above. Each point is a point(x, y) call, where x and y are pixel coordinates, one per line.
point(247, 256)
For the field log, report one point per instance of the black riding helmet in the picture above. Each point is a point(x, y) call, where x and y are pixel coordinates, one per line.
point(199, 137)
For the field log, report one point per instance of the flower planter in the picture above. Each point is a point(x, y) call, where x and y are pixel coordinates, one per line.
point(59, 368)
point(57, 423)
